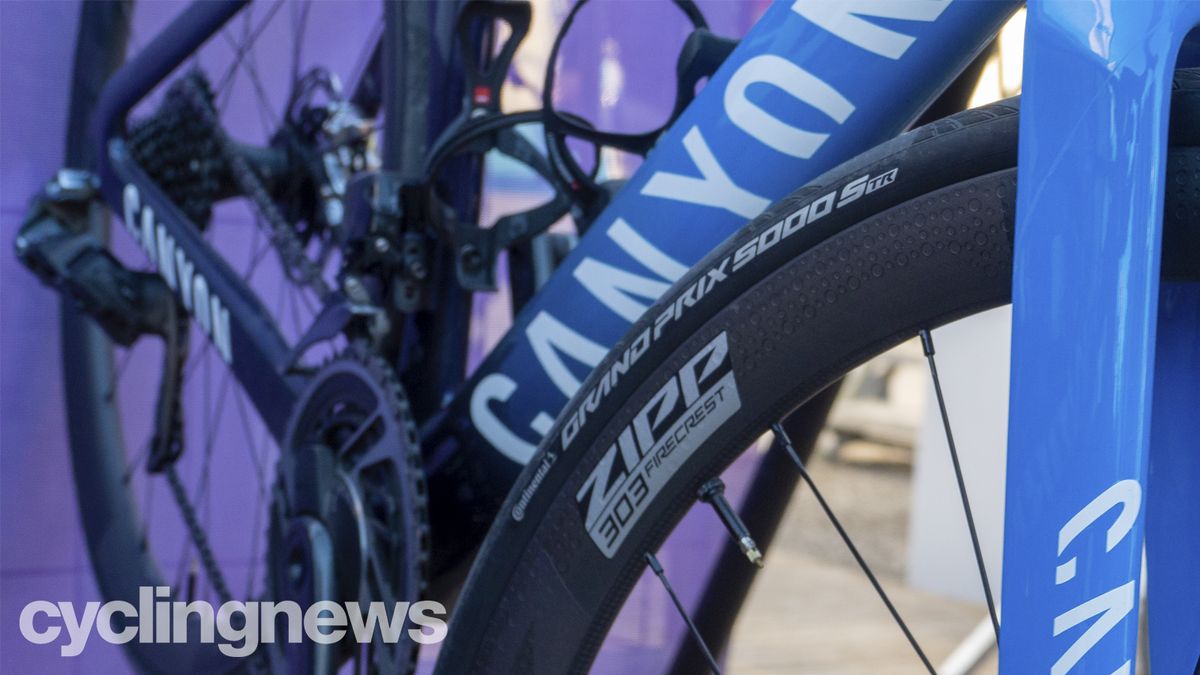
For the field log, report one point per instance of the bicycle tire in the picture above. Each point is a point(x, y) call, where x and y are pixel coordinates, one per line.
point(932, 246)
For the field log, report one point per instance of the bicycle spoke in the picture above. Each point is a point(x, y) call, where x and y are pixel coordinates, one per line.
point(294, 310)
point(299, 28)
point(186, 569)
point(245, 53)
point(657, 568)
point(197, 533)
point(262, 249)
point(223, 91)
point(197, 359)
point(191, 581)
point(927, 346)
point(147, 500)
point(782, 437)
point(119, 372)
point(364, 57)
point(135, 461)
point(307, 301)
point(256, 458)
point(256, 538)
point(244, 417)
point(249, 40)
point(260, 508)
point(212, 421)
point(211, 441)
point(265, 109)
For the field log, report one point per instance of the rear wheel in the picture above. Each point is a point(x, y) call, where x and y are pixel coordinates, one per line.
point(221, 522)
point(904, 238)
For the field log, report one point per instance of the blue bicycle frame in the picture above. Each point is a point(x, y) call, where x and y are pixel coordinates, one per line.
point(1098, 345)
point(814, 83)
point(811, 85)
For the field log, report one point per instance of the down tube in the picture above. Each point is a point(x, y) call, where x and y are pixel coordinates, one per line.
point(813, 83)
point(1085, 310)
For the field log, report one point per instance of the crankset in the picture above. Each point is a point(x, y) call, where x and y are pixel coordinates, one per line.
point(348, 519)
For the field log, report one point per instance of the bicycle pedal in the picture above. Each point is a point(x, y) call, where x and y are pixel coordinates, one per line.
point(55, 244)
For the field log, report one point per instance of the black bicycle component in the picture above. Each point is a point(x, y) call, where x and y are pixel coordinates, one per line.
point(701, 55)
point(713, 494)
point(178, 151)
point(485, 72)
point(477, 247)
point(302, 571)
point(283, 236)
point(348, 519)
point(54, 242)
point(107, 469)
point(399, 202)
point(328, 144)
point(185, 151)
point(657, 568)
point(927, 347)
point(782, 437)
point(480, 128)
point(166, 445)
point(762, 510)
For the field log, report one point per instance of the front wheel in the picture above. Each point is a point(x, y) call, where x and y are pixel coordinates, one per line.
point(906, 237)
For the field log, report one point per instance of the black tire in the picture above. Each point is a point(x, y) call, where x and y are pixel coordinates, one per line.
point(932, 246)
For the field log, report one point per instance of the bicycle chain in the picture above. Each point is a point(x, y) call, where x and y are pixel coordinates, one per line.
point(199, 538)
point(195, 88)
point(299, 267)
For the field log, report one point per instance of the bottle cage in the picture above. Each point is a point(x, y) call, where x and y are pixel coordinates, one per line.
point(482, 127)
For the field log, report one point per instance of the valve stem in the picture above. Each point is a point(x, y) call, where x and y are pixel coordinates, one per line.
point(713, 492)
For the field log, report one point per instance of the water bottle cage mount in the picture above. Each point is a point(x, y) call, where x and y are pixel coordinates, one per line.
point(482, 127)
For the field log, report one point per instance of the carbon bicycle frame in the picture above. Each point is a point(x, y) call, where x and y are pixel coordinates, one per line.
point(814, 83)
point(1098, 345)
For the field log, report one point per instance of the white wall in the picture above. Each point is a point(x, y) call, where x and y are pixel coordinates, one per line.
point(972, 359)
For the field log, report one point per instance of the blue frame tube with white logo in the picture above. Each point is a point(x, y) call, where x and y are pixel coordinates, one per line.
point(811, 85)
point(1086, 308)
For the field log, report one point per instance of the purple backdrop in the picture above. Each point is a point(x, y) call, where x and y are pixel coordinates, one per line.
point(42, 554)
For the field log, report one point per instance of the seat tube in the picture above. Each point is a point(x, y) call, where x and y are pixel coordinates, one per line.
point(1087, 459)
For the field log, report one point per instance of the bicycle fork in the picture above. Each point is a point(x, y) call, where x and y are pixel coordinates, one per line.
point(1099, 344)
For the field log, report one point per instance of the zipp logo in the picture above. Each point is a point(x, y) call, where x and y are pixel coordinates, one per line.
point(179, 272)
point(680, 416)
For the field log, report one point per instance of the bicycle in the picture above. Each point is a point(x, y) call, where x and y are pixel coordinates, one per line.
point(578, 514)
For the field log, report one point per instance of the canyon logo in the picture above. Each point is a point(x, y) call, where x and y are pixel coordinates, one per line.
point(179, 272)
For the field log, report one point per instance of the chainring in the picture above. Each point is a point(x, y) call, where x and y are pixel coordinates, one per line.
point(348, 511)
